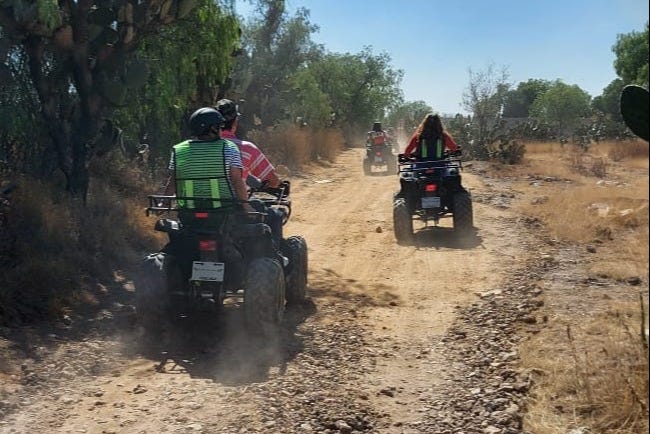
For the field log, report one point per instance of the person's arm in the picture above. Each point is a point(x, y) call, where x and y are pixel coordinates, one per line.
point(260, 166)
point(238, 183)
point(410, 148)
point(449, 142)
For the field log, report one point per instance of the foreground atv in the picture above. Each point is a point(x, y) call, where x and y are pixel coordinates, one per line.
point(214, 255)
point(379, 156)
point(431, 190)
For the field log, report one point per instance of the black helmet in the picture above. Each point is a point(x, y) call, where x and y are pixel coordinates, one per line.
point(376, 126)
point(203, 119)
point(228, 109)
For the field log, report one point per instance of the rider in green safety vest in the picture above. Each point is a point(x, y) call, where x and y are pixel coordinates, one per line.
point(206, 171)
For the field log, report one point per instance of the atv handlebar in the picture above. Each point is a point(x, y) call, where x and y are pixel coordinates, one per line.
point(446, 156)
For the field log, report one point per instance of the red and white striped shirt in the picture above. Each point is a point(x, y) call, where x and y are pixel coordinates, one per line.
point(254, 160)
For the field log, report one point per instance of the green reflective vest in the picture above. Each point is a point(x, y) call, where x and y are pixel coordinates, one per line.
point(201, 174)
point(431, 148)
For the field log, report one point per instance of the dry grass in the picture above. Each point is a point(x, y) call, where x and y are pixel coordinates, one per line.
point(62, 246)
point(592, 367)
point(295, 146)
point(597, 378)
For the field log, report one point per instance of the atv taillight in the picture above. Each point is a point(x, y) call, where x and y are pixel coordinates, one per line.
point(201, 215)
point(378, 153)
point(207, 245)
point(431, 188)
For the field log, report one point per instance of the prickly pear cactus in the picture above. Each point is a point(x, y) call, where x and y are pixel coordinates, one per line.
point(634, 109)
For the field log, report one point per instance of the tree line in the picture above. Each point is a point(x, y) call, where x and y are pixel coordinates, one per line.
point(80, 79)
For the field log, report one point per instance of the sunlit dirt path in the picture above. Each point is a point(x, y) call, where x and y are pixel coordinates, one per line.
point(365, 341)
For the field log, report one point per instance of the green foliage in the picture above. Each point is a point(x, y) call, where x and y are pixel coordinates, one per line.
point(631, 62)
point(518, 101)
point(308, 102)
point(609, 102)
point(563, 106)
point(76, 60)
point(186, 62)
point(360, 86)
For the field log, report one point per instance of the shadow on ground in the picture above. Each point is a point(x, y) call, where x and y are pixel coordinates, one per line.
point(437, 237)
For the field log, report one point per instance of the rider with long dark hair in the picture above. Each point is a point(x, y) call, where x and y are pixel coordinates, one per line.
point(430, 140)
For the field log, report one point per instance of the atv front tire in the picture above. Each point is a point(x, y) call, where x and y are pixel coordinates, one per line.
point(402, 221)
point(295, 248)
point(264, 295)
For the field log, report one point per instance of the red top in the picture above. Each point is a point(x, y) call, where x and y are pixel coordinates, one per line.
point(413, 143)
point(253, 160)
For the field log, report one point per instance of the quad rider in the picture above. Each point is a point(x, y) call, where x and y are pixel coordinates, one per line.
point(430, 140)
point(254, 163)
point(376, 137)
point(207, 166)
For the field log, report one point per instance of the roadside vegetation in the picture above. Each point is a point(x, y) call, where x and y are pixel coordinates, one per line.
point(591, 361)
point(91, 100)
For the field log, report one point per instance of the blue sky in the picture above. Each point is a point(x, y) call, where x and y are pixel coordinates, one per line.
point(436, 42)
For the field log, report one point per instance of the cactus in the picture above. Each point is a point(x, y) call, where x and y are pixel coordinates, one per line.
point(634, 109)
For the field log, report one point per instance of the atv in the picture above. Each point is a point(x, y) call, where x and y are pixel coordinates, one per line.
point(215, 254)
point(431, 190)
point(379, 156)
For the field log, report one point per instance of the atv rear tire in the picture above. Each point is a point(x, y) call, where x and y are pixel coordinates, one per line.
point(151, 296)
point(295, 248)
point(366, 167)
point(264, 295)
point(402, 221)
point(391, 165)
point(463, 213)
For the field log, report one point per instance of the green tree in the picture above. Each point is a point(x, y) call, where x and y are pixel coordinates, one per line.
point(518, 101)
point(631, 62)
point(187, 70)
point(609, 102)
point(80, 65)
point(275, 48)
point(562, 106)
point(361, 87)
point(307, 101)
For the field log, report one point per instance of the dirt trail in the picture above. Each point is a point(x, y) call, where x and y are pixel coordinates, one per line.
point(362, 358)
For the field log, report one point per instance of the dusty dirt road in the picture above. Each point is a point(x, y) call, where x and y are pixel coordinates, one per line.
point(396, 339)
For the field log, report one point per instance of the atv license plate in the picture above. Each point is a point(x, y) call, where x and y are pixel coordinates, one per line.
point(378, 159)
point(431, 202)
point(207, 271)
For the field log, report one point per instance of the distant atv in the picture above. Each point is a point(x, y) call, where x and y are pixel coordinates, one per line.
point(214, 254)
point(431, 190)
point(380, 158)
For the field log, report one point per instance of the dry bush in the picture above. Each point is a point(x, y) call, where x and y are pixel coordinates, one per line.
point(598, 377)
point(544, 148)
point(588, 164)
point(627, 150)
point(295, 146)
point(61, 242)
